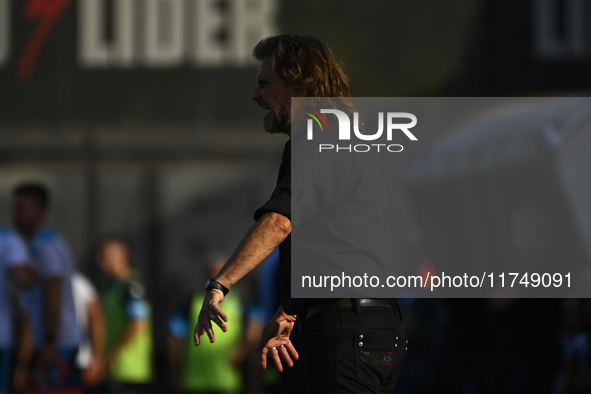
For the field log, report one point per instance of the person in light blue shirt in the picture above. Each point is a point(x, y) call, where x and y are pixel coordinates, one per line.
point(13, 267)
point(48, 304)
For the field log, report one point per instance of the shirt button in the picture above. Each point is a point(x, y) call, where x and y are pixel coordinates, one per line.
point(361, 336)
point(360, 344)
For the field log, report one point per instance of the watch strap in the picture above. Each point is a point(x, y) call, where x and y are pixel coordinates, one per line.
point(214, 284)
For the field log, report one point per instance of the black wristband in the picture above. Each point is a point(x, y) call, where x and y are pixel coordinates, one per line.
point(214, 284)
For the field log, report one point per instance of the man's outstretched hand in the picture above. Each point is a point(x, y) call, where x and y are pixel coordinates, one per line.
point(210, 311)
point(275, 339)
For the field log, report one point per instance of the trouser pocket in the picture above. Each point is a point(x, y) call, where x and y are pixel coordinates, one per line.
point(379, 353)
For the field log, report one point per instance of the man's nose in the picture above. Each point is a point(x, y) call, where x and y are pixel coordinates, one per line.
point(256, 94)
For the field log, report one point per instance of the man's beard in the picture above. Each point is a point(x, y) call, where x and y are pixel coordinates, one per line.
point(280, 119)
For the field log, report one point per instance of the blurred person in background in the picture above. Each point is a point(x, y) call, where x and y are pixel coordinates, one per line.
point(208, 368)
point(48, 304)
point(259, 313)
point(575, 373)
point(91, 322)
point(15, 268)
point(128, 320)
point(292, 65)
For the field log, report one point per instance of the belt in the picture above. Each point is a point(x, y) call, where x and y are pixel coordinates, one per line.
point(347, 303)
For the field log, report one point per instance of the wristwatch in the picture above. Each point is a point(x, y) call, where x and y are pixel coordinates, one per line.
point(214, 284)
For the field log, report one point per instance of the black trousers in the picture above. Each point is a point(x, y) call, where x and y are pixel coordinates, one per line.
point(345, 352)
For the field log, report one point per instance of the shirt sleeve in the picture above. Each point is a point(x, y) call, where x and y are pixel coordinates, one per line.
point(84, 288)
point(136, 304)
point(280, 201)
point(51, 262)
point(15, 252)
point(178, 322)
point(178, 325)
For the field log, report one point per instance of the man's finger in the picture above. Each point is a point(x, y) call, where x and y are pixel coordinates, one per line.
point(285, 355)
point(199, 330)
point(264, 351)
point(275, 354)
point(292, 350)
point(196, 334)
point(220, 323)
point(210, 334)
point(218, 312)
